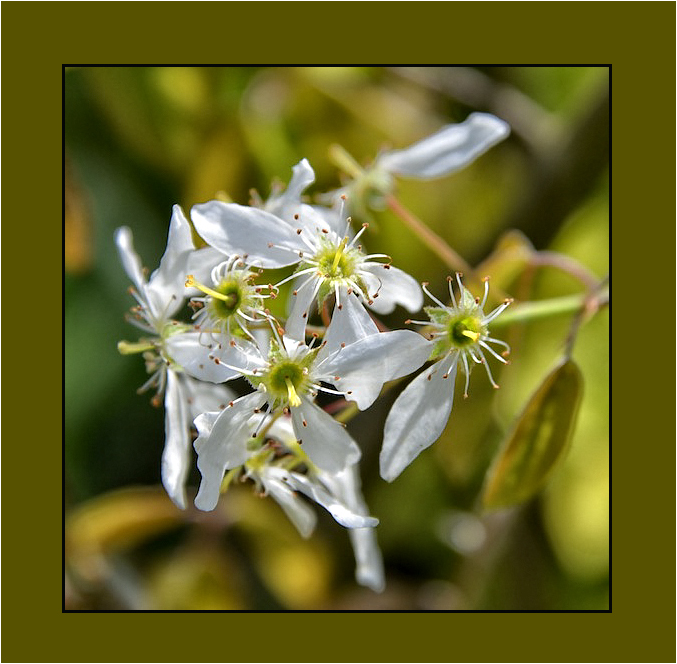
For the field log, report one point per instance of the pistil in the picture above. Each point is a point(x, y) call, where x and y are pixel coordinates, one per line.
point(228, 299)
point(294, 399)
point(339, 253)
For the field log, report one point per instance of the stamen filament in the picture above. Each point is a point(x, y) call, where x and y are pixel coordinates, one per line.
point(424, 286)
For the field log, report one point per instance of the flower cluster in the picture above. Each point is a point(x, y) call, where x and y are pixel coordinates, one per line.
point(275, 434)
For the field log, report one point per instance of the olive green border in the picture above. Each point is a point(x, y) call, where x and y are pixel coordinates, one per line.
point(636, 39)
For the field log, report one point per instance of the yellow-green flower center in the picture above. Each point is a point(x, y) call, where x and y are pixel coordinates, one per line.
point(464, 330)
point(336, 262)
point(285, 381)
point(229, 301)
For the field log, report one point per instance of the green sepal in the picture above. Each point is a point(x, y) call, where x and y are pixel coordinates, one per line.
point(437, 315)
point(468, 301)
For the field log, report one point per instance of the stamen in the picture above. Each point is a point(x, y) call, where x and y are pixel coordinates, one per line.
point(493, 352)
point(486, 366)
point(467, 375)
point(424, 285)
point(486, 292)
point(191, 283)
point(357, 235)
point(499, 342)
point(460, 285)
point(496, 311)
point(308, 270)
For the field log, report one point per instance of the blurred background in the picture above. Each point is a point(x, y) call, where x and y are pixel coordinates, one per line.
point(138, 140)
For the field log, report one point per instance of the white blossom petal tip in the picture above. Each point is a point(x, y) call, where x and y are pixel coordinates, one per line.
point(449, 149)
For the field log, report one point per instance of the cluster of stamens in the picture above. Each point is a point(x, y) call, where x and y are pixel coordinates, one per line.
point(331, 262)
point(461, 329)
point(231, 303)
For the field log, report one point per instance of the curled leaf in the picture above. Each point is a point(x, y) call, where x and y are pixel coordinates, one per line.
point(538, 441)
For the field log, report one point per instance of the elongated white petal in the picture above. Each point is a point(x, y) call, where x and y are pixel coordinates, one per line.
point(191, 352)
point(390, 286)
point(129, 258)
point(221, 444)
point(302, 177)
point(324, 440)
point(176, 453)
point(333, 504)
point(166, 288)
point(348, 324)
point(364, 366)
point(241, 230)
point(300, 514)
point(295, 327)
point(417, 418)
point(448, 150)
point(368, 559)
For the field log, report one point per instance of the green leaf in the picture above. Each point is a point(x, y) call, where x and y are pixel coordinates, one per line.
point(538, 441)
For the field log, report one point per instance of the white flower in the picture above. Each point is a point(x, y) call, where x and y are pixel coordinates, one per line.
point(292, 373)
point(420, 413)
point(230, 304)
point(329, 261)
point(161, 296)
point(185, 399)
point(451, 148)
point(266, 452)
point(229, 307)
point(158, 299)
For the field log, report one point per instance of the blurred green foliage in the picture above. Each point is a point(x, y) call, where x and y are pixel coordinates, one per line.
point(139, 139)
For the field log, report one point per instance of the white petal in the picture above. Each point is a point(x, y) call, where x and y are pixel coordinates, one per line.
point(448, 150)
point(302, 177)
point(242, 230)
point(166, 288)
point(130, 259)
point(176, 453)
point(221, 445)
point(364, 366)
point(200, 264)
point(295, 327)
point(418, 417)
point(324, 440)
point(191, 352)
point(394, 286)
point(300, 514)
point(348, 324)
point(369, 561)
point(333, 504)
point(205, 397)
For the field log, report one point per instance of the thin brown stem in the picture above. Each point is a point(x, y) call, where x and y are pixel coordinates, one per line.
point(439, 246)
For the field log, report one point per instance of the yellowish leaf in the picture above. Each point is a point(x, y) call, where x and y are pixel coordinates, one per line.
point(538, 441)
